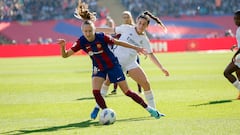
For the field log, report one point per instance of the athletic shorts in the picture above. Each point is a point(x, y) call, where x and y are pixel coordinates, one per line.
point(115, 74)
point(127, 62)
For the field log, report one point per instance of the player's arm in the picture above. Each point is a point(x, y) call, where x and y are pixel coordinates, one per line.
point(233, 47)
point(65, 53)
point(154, 59)
point(125, 44)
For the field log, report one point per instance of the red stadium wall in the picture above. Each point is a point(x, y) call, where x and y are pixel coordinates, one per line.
point(179, 45)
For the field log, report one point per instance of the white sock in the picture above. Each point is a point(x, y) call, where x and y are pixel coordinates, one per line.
point(103, 92)
point(237, 84)
point(150, 98)
point(148, 108)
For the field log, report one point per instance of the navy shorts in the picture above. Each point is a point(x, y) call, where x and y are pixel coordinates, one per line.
point(115, 74)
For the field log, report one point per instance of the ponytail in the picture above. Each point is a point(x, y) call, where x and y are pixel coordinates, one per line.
point(147, 14)
point(82, 12)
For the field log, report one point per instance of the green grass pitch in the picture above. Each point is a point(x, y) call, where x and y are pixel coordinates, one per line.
point(52, 95)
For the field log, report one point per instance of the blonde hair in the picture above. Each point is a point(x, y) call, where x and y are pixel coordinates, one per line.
point(82, 12)
point(130, 16)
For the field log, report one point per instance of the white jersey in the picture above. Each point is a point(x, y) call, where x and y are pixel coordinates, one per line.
point(237, 57)
point(126, 56)
point(238, 37)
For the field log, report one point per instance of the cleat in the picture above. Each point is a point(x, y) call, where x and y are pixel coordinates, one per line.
point(238, 97)
point(113, 92)
point(161, 115)
point(94, 113)
point(154, 113)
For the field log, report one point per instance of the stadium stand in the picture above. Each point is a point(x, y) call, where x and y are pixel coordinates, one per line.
point(23, 21)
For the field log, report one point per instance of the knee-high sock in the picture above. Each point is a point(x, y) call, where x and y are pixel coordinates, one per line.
point(99, 99)
point(104, 90)
point(237, 84)
point(136, 98)
point(150, 98)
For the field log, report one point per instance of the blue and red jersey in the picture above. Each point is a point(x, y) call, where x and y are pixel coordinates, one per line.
point(102, 57)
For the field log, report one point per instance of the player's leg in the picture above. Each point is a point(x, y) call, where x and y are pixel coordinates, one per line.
point(114, 91)
point(138, 75)
point(102, 76)
point(228, 73)
point(135, 97)
point(96, 84)
point(116, 75)
point(138, 85)
point(139, 88)
point(238, 76)
point(103, 91)
point(105, 87)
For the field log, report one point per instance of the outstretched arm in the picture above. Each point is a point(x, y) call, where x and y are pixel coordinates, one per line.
point(65, 53)
point(158, 64)
point(125, 44)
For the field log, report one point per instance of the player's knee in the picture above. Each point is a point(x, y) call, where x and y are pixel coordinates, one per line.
point(226, 74)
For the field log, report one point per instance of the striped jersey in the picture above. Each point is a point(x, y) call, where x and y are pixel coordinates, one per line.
point(98, 50)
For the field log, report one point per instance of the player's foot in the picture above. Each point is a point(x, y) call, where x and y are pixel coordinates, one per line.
point(154, 113)
point(113, 92)
point(94, 113)
point(238, 97)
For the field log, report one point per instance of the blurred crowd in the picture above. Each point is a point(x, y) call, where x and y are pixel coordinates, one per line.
point(29, 10)
point(25, 10)
point(178, 8)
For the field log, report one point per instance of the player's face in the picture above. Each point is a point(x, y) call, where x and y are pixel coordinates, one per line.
point(126, 19)
point(141, 25)
point(88, 31)
point(237, 20)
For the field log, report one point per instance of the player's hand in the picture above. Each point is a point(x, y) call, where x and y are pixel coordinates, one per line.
point(165, 72)
point(233, 47)
point(141, 50)
point(61, 42)
point(165, 30)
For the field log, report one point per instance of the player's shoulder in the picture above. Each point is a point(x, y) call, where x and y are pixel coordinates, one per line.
point(126, 26)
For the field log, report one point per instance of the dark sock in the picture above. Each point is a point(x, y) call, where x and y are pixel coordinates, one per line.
point(115, 86)
point(136, 98)
point(99, 99)
point(139, 88)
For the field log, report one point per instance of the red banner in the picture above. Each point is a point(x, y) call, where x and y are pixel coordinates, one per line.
point(178, 45)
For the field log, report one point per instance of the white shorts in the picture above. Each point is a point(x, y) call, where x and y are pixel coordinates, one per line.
point(237, 60)
point(127, 61)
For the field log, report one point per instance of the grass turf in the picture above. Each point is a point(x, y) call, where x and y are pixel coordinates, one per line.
point(51, 95)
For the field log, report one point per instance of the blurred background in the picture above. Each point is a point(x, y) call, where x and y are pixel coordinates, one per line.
point(43, 21)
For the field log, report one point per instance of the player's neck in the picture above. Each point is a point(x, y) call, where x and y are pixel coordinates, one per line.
point(139, 33)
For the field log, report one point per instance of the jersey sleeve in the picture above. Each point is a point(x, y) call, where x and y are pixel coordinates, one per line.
point(108, 39)
point(147, 45)
point(76, 46)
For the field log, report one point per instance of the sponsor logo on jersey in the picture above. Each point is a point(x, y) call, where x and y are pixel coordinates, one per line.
point(99, 45)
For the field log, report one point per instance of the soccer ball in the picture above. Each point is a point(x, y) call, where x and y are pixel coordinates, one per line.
point(107, 116)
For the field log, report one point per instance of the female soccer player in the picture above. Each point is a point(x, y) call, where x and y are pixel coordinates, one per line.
point(104, 61)
point(127, 19)
point(234, 65)
point(127, 57)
